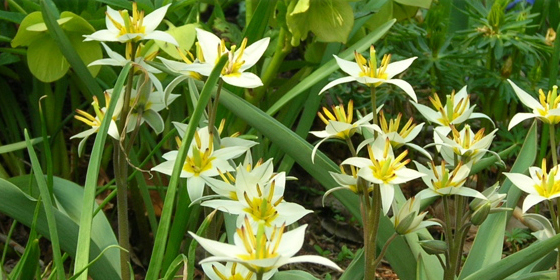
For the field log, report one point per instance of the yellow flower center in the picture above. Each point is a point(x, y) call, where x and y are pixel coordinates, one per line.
point(257, 246)
point(188, 58)
point(339, 115)
point(234, 274)
point(444, 179)
point(199, 161)
point(549, 102)
point(466, 142)
point(263, 208)
point(548, 186)
point(452, 112)
point(393, 126)
point(233, 65)
point(134, 24)
point(385, 169)
point(369, 67)
point(89, 119)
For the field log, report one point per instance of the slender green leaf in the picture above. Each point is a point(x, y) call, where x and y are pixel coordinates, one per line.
point(179, 261)
point(487, 246)
point(47, 204)
point(19, 145)
point(329, 67)
point(517, 261)
point(29, 262)
point(356, 268)
point(82, 255)
point(167, 211)
point(259, 22)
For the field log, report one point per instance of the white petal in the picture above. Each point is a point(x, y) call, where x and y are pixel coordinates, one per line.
point(152, 20)
point(164, 167)
point(218, 248)
point(203, 69)
point(480, 116)
point(229, 206)
point(316, 148)
point(428, 113)
point(161, 36)
point(102, 35)
point(245, 80)
point(397, 67)
point(519, 117)
point(154, 120)
point(531, 200)
point(253, 53)
point(525, 98)
point(116, 16)
point(358, 162)
point(314, 259)
point(209, 45)
point(523, 182)
point(195, 187)
point(292, 241)
point(404, 85)
point(387, 195)
point(113, 130)
point(336, 82)
point(351, 68)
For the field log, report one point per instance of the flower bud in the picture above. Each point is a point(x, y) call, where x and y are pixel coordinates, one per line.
point(433, 247)
point(479, 216)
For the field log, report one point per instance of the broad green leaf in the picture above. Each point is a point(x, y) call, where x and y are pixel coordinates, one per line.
point(21, 206)
point(293, 275)
point(330, 21)
point(487, 246)
point(45, 60)
point(185, 36)
point(541, 275)
point(25, 37)
point(41, 26)
point(49, 13)
point(416, 3)
point(517, 261)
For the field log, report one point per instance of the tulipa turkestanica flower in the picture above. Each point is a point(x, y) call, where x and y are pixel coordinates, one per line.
point(371, 74)
point(231, 271)
point(239, 59)
point(202, 161)
point(542, 185)
point(545, 109)
point(384, 169)
point(408, 218)
point(261, 252)
point(95, 122)
point(465, 145)
point(121, 27)
point(457, 109)
point(441, 181)
point(339, 125)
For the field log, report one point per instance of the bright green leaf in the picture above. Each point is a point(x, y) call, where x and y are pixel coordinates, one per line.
point(25, 37)
point(45, 60)
point(185, 36)
point(416, 3)
point(41, 26)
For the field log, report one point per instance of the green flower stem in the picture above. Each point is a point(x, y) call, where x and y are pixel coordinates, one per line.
point(214, 111)
point(553, 147)
point(283, 48)
point(351, 147)
point(554, 216)
point(121, 173)
point(384, 249)
point(449, 271)
point(374, 104)
point(458, 238)
point(371, 225)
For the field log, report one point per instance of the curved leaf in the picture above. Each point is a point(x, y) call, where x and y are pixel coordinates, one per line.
point(20, 206)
